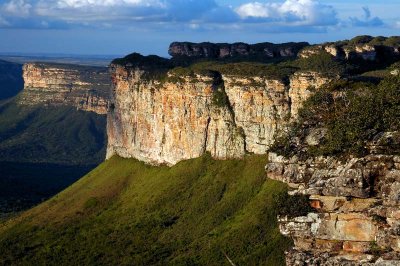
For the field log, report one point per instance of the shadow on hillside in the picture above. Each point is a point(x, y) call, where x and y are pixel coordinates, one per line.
point(24, 185)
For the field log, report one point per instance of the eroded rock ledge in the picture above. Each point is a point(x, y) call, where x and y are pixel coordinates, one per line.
point(356, 201)
point(86, 88)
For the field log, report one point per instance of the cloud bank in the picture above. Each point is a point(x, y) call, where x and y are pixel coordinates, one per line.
point(272, 16)
point(367, 20)
point(295, 12)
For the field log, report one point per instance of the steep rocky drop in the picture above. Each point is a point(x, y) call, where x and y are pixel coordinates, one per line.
point(85, 88)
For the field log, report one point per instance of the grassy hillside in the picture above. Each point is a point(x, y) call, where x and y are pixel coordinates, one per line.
point(198, 212)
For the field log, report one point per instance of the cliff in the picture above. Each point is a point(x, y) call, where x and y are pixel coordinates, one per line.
point(368, 48)
point(183, 116)
point(342, 155)
point(226, 50)
point(85, 88)
point(336, 137)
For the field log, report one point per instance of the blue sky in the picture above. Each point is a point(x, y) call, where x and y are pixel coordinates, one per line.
point(148, 26)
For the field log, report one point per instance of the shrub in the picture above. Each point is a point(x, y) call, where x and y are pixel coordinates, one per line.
point(353, 113)
point(323, 63)
point(363, 39)
point(293, 206)
point(220, 98)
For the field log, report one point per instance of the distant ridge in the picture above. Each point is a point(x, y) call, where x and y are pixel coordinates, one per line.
point(239, 49)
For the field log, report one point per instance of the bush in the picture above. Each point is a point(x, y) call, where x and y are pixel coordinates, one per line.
point(323, 63)
point(353, 113)
point(363, 39)
point(293, 206)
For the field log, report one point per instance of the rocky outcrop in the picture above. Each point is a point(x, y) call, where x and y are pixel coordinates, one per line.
point(302, 86)
point(223, 50)
point(356, 218)
point(86, 88)
point(182, 117)
point(335, 50)
point(362, 47)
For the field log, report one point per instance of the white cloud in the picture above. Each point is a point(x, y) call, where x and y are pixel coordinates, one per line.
point(265, 15)
point(256, 9)
point(107, 3)
point(18, 8)
point(298, 12)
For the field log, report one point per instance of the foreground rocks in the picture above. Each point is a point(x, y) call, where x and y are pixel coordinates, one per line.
point(356, 201)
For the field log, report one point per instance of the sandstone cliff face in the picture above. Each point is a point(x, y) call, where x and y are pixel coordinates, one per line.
point(86, 88)
point(223, 50)
point(166, 122)
point(302, 86)
point(357, 216)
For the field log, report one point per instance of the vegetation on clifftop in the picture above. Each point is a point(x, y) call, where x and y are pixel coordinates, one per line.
point(353, 114)
point(156, 68)
point(198, 212)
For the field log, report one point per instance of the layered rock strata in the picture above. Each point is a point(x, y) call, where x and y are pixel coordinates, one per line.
point(164, 122)
point(224, 50)
point(86, 88)
point(356, 218)
point(369, 49)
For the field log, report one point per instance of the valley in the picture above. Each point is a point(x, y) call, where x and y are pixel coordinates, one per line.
point(263, 154)
point(51, 133)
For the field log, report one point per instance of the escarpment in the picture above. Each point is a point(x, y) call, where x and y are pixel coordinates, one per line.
point(368, 48)
point(85, 88)
point(165, 111)
point(182, 116)
point(226, 50)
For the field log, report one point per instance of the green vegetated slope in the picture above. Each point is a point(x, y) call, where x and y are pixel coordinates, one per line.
point(58, 135)
point(198, 212)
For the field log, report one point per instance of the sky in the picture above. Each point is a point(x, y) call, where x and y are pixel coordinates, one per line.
point(119, 27)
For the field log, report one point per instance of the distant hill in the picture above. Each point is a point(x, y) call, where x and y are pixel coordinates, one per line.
point(87, 60)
